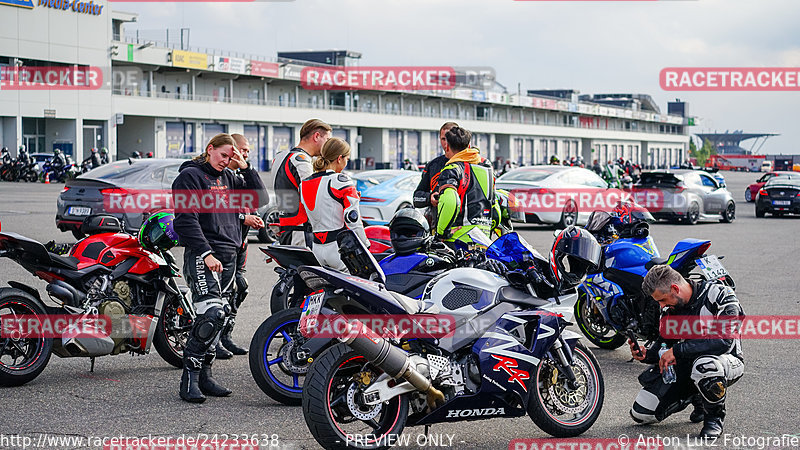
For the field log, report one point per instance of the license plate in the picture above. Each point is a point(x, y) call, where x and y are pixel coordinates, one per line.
point(711, 267)
point(79, 211)
point(312, 306)
point(782, 202)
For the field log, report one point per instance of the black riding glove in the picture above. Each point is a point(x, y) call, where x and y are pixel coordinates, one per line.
point(492, 265)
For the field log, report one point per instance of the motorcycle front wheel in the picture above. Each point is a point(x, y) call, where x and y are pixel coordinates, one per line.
point(594, 327)
point(557, 408)
point(21, 359)
point(333, 408)
point(172, 332)
point(274, 363)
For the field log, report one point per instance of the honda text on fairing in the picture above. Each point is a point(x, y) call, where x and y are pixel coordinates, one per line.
point(509, 355)
point(109, 274)
point(611, 306)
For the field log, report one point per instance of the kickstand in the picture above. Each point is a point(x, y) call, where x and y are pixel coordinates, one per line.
point(91, 369)
point(427, 428)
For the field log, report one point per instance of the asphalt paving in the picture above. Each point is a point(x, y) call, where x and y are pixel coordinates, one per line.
point(137, 396)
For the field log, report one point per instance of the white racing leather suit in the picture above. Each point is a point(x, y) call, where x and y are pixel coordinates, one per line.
point(330, 202)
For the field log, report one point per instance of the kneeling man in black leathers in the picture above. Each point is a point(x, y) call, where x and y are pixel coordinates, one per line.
point(703, 366)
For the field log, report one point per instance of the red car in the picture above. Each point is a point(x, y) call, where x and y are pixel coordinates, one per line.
point(752, 190)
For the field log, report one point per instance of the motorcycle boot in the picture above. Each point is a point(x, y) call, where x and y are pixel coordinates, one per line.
point(208, 385)
point(222, 352)
point(713, 420)
point(698, 412)
point(204, 333)
point(190, 380)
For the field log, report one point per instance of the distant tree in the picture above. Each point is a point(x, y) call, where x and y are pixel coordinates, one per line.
point(703, 153)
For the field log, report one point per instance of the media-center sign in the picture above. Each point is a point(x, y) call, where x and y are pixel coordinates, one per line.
point(78, 6)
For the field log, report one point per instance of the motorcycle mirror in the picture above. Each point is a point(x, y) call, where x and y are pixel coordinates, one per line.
point(556, 232)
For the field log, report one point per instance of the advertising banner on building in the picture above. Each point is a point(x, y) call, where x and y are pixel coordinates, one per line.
point(230, 65)
point(189, 60)
point(263, 69)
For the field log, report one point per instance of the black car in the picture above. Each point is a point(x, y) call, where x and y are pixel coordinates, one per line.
point(90, 193)
point(781, 195)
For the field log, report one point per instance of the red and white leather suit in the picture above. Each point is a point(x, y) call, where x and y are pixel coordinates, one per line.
point(330, 201)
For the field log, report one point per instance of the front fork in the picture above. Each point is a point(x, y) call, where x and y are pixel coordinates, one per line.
point(563, 355)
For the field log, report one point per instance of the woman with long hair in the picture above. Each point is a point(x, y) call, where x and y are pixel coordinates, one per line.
point(330, 201)
point(211, 238)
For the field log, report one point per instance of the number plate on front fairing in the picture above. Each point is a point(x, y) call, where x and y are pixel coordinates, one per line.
point(711, 267)
point(313, 305)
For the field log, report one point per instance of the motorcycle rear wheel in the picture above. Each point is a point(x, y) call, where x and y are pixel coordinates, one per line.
point(329, 391)
point(559, 410)
point(599, 334)
point(22, 359)
point(172, 332)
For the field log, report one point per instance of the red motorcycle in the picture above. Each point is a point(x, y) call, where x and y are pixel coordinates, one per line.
point(107, 277)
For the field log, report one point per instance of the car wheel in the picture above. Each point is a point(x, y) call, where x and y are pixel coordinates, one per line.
point(760, 212)
point(693, 214)
point(748, 195)
point(78, 234)
point(729, 215)
point(404, 205)
point(569, 216)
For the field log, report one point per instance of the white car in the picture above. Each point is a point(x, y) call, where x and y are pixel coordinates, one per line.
point(384, 192)
point(545, 193)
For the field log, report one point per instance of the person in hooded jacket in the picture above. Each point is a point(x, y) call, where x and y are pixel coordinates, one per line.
point(465, 187)
point(211, 240)
point(424, 194)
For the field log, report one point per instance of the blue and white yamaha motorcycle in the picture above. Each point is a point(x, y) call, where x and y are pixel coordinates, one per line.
point(509, 355)
point(611, 306)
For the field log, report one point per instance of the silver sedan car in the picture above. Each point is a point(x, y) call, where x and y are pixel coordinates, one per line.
point(687, 196)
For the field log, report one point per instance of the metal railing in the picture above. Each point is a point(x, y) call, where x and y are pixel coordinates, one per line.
point(515, 119)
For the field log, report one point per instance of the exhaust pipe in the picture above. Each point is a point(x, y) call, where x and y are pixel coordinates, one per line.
point(392, 360)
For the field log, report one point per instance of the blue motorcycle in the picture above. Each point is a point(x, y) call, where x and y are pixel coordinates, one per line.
point(611, 306)
point(509, 354)
point(280, 355)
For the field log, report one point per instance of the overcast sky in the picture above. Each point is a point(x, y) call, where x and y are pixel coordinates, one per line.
point(602, 46)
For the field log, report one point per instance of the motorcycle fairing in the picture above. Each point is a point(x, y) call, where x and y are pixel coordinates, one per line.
point(368, 293)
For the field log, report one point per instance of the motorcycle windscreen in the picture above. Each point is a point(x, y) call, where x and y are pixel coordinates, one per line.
point(511, 249)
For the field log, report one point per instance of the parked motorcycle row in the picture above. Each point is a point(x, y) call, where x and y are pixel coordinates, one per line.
point(26, 169)
point(509, 352)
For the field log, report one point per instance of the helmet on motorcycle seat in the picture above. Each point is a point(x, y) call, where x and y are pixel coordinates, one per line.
point(628, 212)
point(136, 155)
point(409, 231)
point(157, 233)
point(575, 253)
point(149, 154)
